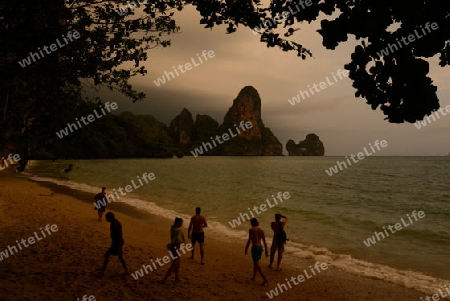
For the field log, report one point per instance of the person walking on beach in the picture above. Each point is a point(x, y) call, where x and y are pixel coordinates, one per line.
point(117, 242)
point(277, 242)
point(198, 222)
point(177, 238)
point(255, 235)
point(101, 200)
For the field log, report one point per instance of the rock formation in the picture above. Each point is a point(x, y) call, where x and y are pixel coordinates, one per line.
point(255, 141)
point(181, 128)
point(311, 146)
point(204, 128)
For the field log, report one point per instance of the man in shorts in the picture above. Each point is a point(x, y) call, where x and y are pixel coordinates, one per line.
point(117, 242)
point(255, 235)
point(101, 201)
point(198, 222)
point(277, 244)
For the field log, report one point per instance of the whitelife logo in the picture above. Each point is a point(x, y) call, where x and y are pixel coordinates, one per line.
point(281, 287)
point(162, 80)
point(237, 222)
point(90, 118)
point(199, 150)
point(322, 85)
point(140, 273)
point(423, 123)
point(360, 155)
point(11, 158)
point(30, 240)
point(411, 38)
point(125, 9)
point(279, 18)
point(371, 240)
point(128, 188)
point(35, 56)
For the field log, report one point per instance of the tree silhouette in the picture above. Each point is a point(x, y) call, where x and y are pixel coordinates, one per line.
point(45, 87)
point(397, 83)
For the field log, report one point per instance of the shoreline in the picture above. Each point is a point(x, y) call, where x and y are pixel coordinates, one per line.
point(76, 255)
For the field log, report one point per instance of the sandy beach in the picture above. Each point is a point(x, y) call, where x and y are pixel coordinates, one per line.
point(65, 265)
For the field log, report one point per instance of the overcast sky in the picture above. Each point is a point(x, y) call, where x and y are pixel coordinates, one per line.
point(345, 124)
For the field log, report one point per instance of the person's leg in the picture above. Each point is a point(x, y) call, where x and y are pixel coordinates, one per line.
point(255, 263)
point(202, 253)
point(169, 271)
point(273, 249)
point(99, 215)
point(123, 263)
point(278, 263)
point(193, 247)
point(177, 263)
point(105, 262)
point(280, 256)
point(258, 268)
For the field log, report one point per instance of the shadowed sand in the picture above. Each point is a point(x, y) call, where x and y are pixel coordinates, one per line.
point(66, 265)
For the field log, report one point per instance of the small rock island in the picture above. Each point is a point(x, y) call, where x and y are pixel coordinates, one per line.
point(311, 146)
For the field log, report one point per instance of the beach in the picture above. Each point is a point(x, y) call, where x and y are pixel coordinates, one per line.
point(66, 264)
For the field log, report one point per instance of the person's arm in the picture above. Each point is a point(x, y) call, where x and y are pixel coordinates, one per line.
point(189, 229)
point(204, 223)
point(285, 218)
point(121, 236)
point(248, 241)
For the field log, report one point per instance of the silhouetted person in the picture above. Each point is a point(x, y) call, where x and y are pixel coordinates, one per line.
point(22, 165)
point(69, 169)
point(177, 238)
point(117, 242)
point(198, 222)
point(255, 235)
point(101, 200)
point(277, 244)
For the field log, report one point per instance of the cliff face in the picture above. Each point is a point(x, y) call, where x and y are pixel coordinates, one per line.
point(246, 107)
point(256, 141)
point(204, 128)
point(311, 146)
point(181, 128)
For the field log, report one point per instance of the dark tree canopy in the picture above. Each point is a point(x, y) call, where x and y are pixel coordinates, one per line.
point(396, 83)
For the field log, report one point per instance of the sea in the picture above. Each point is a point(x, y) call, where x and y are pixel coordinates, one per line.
point(330, 217)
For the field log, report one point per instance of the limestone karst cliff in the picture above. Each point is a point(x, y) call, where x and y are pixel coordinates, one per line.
point(258, 140)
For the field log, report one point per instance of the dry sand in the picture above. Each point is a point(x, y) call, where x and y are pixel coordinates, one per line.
point(66, 264)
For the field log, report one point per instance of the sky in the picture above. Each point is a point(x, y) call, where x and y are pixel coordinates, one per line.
point(344, 123)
